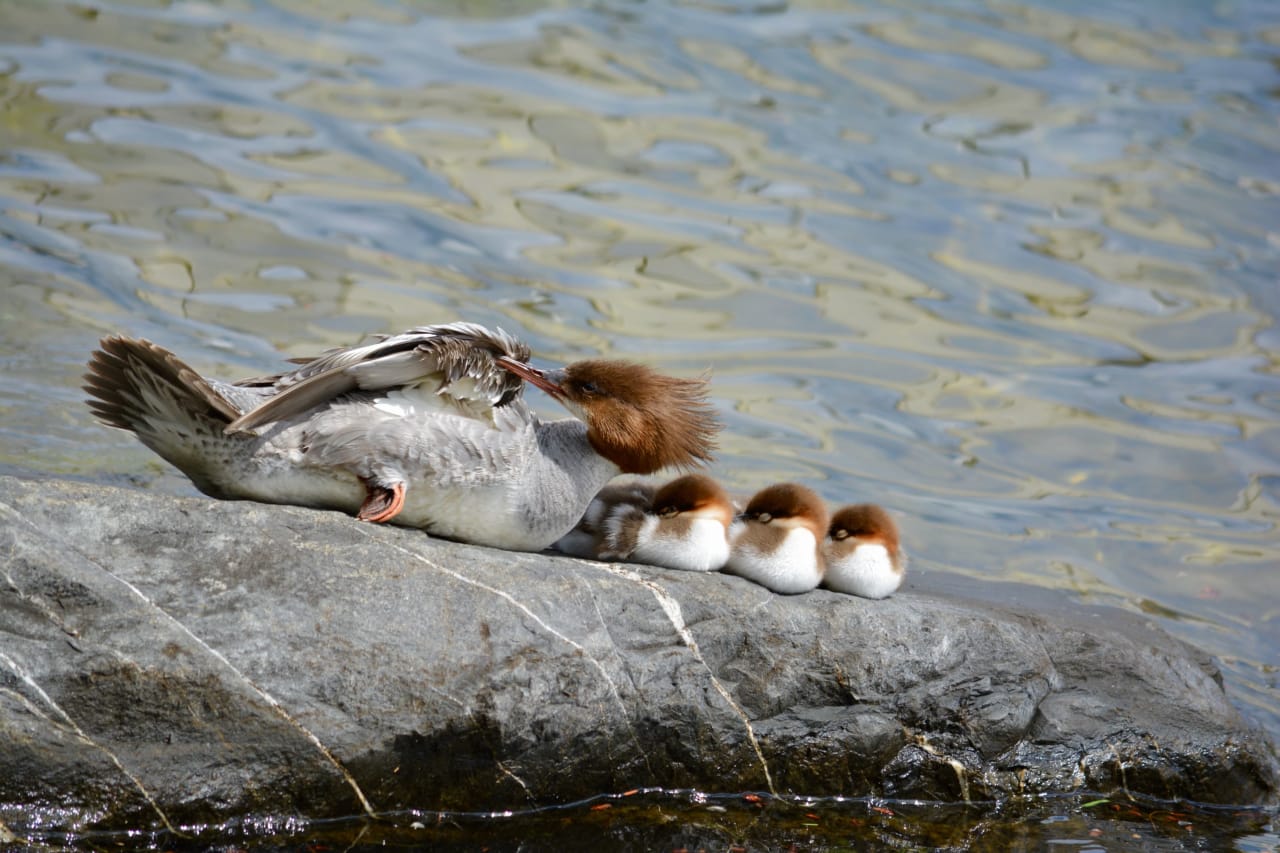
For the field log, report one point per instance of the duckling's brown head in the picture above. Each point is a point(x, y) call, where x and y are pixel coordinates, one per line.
point(864, 521)
point(788, 505)
point(694, 494)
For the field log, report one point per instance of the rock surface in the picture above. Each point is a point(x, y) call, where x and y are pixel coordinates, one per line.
point(182, 660)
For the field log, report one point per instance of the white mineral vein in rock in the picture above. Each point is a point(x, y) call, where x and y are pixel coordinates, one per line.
point(523, 608)
point(275, 705)
point(672, 608)
point(80, 733)
point(267, 697)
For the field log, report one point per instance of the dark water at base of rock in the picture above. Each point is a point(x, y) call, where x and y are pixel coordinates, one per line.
point(180, 661)
point(691, 821)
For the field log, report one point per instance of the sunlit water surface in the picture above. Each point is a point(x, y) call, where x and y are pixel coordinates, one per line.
point(1007, 269)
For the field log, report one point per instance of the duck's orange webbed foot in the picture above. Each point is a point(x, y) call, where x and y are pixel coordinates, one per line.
point(381, 504)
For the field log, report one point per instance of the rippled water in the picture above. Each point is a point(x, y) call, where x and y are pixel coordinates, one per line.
point(1009, 270)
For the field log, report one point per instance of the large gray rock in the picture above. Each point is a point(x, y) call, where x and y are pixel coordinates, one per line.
point(186, 660)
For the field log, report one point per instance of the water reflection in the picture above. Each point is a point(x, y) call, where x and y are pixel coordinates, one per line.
point(641, 819)
point(1007, 269)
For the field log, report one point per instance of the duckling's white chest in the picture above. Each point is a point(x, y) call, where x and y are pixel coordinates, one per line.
point(700, 545)
point(867, 570)
point(789, 563)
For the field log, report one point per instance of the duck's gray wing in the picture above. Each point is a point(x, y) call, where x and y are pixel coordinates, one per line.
point(459, 358)
point(451, 450)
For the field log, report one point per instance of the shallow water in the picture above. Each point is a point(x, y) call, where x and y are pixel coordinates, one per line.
point(692, 821)
point(1008, 270)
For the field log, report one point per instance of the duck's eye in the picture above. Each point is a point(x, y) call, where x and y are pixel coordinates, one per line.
point(588, 388)
point(764, 518)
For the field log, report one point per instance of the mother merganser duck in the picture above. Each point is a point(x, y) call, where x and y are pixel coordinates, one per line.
point(863, 556)
point(424, 429)
point(777, 542)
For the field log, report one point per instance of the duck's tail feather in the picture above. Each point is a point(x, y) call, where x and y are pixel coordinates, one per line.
point(138, 386)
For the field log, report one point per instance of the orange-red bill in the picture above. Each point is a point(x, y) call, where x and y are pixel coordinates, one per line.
point(538, 378)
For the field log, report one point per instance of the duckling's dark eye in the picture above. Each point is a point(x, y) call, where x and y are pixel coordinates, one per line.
point(588, 388)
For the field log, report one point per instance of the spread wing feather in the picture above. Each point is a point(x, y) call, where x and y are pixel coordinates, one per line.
point(457, 358)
